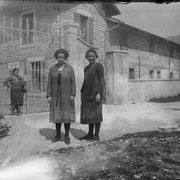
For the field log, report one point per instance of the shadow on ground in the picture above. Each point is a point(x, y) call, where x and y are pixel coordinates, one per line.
point(77, 133)
point(49, 133)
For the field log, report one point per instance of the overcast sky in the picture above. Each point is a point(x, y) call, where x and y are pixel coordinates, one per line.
point(160, 19)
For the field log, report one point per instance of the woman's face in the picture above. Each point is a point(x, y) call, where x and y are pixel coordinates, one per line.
point(16, 72)
point(91, 57)
point(60, 58)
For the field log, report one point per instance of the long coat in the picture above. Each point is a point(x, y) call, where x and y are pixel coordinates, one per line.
point(16, 93)
point(60, 88)
point(91, 111)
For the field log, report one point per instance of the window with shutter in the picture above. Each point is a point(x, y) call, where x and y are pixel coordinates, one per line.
point(77, 20)
point(91, 29)
point(85, 27)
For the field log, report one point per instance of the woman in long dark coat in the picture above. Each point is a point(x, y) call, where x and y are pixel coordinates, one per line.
point(91, 95)
point(61, 91)
point(17, 85)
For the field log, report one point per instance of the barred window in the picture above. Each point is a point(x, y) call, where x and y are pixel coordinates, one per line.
point(37, 82)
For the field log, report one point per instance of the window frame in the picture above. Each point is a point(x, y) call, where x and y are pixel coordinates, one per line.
point(132, 73)
point(32, 31)
point(171, 75)
point(151, 74)
point(32, 81)
point(89, 33)
point(158, 74)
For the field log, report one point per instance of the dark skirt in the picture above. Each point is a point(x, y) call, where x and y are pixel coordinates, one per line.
point(91, 111)
point(16, 96)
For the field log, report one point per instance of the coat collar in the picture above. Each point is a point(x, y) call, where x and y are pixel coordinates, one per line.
point(56, 65)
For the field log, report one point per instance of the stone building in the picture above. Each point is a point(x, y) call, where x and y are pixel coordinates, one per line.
point(138, 65)
point(30, 33)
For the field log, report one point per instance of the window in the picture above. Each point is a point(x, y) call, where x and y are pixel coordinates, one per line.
point(171, 75)
point(37, 81)
point(151, 74)
point(151, 46)
point(158, 74)
point(85, 27)
point(131, 73)
point(27, 29)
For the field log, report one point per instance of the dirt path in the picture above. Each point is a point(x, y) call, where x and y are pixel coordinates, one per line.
point(29, 144)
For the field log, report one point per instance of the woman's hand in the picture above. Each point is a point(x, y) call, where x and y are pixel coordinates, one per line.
point(98, 97)
point(49, 100)
point(71, 100)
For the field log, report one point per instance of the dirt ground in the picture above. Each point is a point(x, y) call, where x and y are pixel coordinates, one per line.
point(150, 129)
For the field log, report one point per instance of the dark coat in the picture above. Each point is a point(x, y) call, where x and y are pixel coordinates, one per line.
point(16, 93)
point(60, 109)
point(91, 111)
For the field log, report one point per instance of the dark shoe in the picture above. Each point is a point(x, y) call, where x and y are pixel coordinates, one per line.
point(96, 138)
point(56, 138)
point(86, 137)
point(67, 140)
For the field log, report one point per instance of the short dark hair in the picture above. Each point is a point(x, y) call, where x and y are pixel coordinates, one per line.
point(63, 51)
point(91, 50)
point(15, 69)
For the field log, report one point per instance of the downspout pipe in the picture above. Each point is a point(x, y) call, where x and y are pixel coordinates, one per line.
point(105, 33)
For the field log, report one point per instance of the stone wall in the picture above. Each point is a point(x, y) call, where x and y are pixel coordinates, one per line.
point(141, 91)
point(145, 61)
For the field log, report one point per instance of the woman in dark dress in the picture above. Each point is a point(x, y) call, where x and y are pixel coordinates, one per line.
point(17, 85)
point(91, 96)
point(61, 91)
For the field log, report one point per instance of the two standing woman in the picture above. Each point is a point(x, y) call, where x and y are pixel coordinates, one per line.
point(61, 91)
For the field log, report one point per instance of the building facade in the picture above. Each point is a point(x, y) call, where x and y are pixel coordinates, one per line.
point(30, 34)
point(138, 65)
